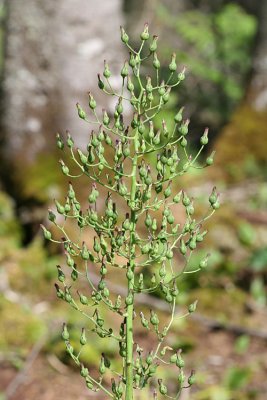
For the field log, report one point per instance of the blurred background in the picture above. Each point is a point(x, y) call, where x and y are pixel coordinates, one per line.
point(50, 53)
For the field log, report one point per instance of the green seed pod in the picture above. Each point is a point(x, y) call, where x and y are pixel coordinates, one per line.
point(167, 191)
point(83, 337)
point(173, 65)
point(145, 34)
point(67, 295)
point(70, 141)
point(146, 248)
point(105, 118)
point(170, 219)
point(204, 138)
point(181, 75)
point(156, 63)
point(100, 82)
point(129, 300)
point(124, 70)
point(154, 318)
point(210, 159)
point(213, 197)
point(81, 112)
point(65, 333)
point(130, 85)
point(162, 89)
point(129, 274)
point(192, 378)
point(153, 46)
point(60, 143)
point(82, 157)
point(148, 220)
point(106, 73)
point(119, 107)
point(204, 262)
point(200, 236)
point(152, 369)
point(179, 116)
point(183, 248)
point(83, 299)
point(149, 358)
point(118, 302)
point(173, 358)
point(144, 321)
point(162, 388)
point(183, 142)
point(89, 383)
point(192, 307)
point(84, 371)
point(126, 223)
point(60, 274)
point(64, 168)
point(60, 293)
point(46, 232)
point(84, 252)
point(179, 362)
point(162, 271)
point(193, 243)
point(106, 292)
point(124, 36)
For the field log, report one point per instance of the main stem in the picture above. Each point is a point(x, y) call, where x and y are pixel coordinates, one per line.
point(130, 308)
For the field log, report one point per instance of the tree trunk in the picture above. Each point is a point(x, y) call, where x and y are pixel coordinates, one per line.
point(53, 53)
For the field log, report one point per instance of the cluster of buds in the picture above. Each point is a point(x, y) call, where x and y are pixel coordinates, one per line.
point(133, 167)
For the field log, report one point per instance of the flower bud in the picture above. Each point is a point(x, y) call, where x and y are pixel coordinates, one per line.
point(84, 371)
point(181, 75)
point(105, 118)
point(100, 82)
point(64, 168)
point(204, 138)
point(61, 276)
point(154, 318)
point(162, 388)
point(70, 141)
point(183, 248)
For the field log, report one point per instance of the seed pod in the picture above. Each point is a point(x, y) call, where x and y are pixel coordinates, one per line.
point(192, 378)
point(124, 36)
point(83, 337)
point(61, 276)
point(83, 299)
point(179, 361)
point(129, 300)
point(210, 159)
point(179, 116)
point(89, 384)
point(154, 318)
point(183, 248)
point(192, 307)
point(84, 371)
point(144, 321)
point(81, 112)
point(65, 333)
point(100, 82)
point(145, 34)
point(84, 252)
point(156, 63)
point(162, 388)
point(106, 73)
point(181, 75)
point(105, 118)
point(64, 168)
point(46, 232)
point(162, 89)
point(204, 138)
point(124, 70)
point(60, 143)
point(153, 46)
point(130, 85)
point(148, 220)
point(70, 141)
point(173, 65)
point(60, 293)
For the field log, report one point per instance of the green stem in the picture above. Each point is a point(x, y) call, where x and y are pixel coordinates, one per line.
point(130, 307)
